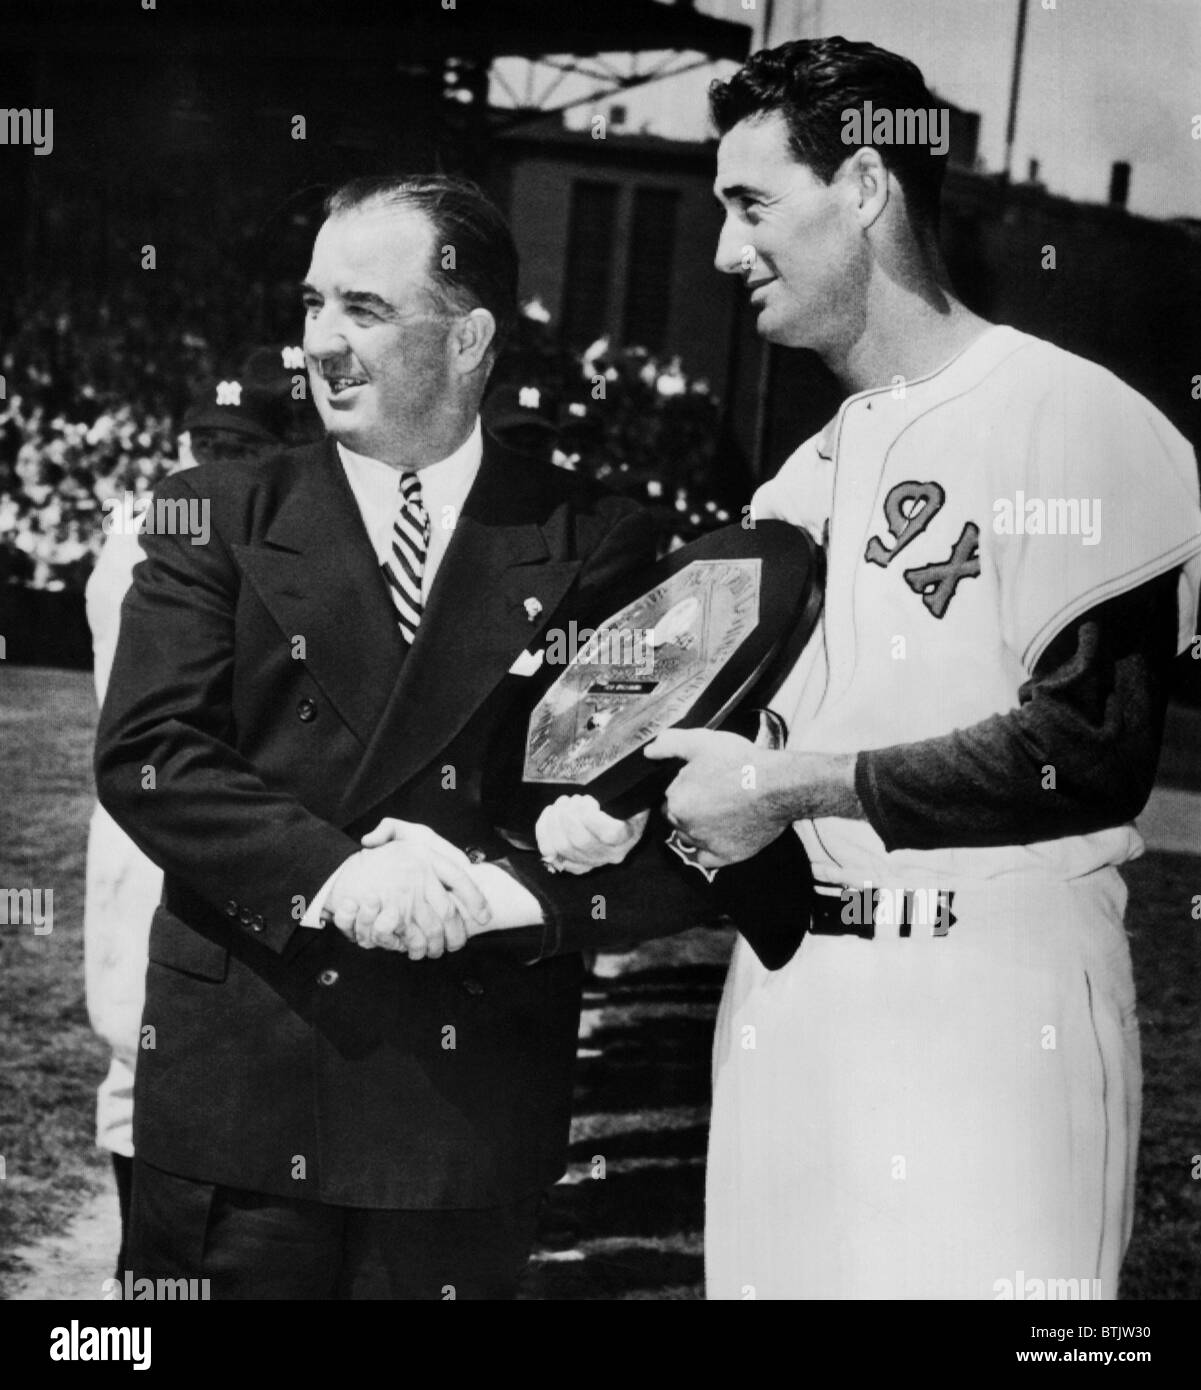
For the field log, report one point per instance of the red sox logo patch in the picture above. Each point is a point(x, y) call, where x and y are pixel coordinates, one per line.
point(908, 509)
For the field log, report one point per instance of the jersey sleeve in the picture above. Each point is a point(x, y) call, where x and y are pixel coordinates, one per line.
point(800, 493)
point(1099, 495)
point(1094, 711)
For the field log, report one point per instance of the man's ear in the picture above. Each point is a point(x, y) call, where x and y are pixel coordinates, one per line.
point(472, 338)
point(869, 182)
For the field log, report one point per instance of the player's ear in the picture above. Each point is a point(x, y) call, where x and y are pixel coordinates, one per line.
point(869, 182)
point(471, 339)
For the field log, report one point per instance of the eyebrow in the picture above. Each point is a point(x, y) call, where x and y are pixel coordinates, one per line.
point(736, 191)
point(360, 298)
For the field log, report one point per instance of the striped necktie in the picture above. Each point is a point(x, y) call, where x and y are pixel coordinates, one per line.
point(403, 568)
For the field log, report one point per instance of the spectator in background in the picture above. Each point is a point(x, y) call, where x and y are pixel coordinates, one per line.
point(231, 433)
point(123, 886)
point(515, 416)
point(56, 473)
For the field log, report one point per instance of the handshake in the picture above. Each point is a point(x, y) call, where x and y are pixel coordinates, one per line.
point(409, 889)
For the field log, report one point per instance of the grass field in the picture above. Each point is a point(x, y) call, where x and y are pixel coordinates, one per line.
point(642, 1094)
point(51, 1063)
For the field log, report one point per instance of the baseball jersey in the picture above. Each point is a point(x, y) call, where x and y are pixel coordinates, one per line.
point(969, 516)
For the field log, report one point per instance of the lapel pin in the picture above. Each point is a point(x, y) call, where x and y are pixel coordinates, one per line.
point(532, 608)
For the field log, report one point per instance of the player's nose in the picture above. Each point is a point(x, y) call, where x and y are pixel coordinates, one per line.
point(734, 255)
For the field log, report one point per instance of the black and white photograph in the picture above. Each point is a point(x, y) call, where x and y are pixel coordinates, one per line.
point(600, 676)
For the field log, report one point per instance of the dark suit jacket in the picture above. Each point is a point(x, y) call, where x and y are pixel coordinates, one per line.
point(261, 715)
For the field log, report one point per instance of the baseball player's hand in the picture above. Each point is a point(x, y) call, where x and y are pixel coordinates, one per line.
point(407, 892)
point(723, 801)
point(733, 798)
point(575, 835)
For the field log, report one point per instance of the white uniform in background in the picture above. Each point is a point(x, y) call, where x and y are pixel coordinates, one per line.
point(945, 1110)
point(123, 886)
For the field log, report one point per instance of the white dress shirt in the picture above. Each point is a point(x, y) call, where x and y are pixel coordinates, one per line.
point(444, 489)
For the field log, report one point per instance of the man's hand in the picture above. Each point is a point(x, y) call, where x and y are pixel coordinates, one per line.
point(717, 800)
point(732, 799)
point(575, 835)
point(411, 893)
point(411, 832)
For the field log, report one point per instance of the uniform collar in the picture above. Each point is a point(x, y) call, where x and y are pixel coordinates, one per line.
point(985, 351)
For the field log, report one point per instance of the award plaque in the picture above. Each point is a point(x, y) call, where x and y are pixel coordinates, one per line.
point(669, 644)
point(676, 646)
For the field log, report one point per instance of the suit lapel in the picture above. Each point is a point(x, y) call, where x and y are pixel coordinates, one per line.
point(317, 574)
point(476, 623)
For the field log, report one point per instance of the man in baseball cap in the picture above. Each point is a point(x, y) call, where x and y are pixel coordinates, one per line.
point(516, 415)
point(233, 421)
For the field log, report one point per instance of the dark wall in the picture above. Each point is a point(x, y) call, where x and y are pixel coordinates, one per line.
point(1125, 292)
point(197, 153)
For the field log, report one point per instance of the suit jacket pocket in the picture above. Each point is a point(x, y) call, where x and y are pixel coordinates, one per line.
point(173, 943)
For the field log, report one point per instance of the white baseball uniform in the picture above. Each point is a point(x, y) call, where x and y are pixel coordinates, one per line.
point(123, 886)
point(942, 1110)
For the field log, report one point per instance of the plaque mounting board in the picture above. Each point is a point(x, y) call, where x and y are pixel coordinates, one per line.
point(642, 670)
point(677, 645)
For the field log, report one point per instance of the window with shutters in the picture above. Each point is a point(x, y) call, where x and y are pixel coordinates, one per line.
point(591, 231)
point(650, 262)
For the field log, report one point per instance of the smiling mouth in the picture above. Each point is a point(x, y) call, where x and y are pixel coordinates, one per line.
point(338, 385)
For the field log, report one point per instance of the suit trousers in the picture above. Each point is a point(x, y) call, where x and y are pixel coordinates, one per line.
point(255, 1245)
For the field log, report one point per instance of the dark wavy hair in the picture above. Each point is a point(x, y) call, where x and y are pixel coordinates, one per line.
point(813, 83)
point(484, 270)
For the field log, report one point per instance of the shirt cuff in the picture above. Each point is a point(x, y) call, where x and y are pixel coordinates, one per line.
point(511, 902)
point(868, 792)
point(312, 917)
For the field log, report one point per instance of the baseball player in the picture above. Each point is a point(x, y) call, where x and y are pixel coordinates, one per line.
point(938, 1097)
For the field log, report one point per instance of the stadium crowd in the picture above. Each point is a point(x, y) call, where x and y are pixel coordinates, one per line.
point(94, 390)
point(91, 390)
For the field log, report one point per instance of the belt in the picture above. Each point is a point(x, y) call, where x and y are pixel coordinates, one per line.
point(839, 911)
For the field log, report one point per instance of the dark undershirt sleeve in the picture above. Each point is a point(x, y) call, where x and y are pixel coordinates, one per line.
point(1077, 755)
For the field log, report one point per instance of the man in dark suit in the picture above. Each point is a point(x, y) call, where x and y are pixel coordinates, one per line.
point(330, 645)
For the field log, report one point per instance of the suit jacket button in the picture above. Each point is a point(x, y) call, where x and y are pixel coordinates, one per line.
point(476, 856)
point(473, 987)
point(246, 917)
point(307, 709)
point(231, 908)
point(327, 978)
